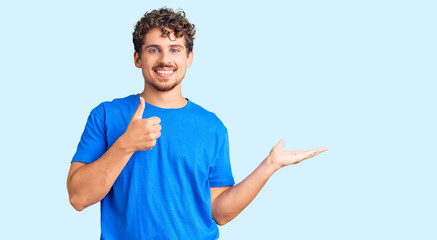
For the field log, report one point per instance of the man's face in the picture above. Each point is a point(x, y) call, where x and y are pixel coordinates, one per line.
point(163, 61)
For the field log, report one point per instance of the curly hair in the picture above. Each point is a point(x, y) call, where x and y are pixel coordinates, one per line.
point(164, 18)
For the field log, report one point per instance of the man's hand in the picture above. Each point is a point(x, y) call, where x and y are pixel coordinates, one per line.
point(281, 158)
point(141, 134)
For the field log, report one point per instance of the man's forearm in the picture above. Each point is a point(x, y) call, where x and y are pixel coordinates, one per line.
point(230, 203)
point(91, 182)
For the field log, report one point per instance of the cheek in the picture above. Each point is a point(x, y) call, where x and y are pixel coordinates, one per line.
point(147, 66)
point(146, 72)
point(182, 64)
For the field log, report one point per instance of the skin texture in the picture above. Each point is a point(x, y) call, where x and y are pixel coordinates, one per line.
point(162, 53)
point(89, 183)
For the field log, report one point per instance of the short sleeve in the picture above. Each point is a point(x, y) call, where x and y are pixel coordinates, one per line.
point(93, 142)
point(220, 174)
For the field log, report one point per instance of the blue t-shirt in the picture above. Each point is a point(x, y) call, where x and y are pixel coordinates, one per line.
point(162, 193)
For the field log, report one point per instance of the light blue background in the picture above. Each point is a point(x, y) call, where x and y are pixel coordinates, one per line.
point(358, 77)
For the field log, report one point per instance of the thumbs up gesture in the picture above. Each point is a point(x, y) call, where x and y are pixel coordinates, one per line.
point(141, 134)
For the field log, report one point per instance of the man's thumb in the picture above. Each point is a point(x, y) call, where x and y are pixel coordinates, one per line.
point(140, 110)
point(280, 144)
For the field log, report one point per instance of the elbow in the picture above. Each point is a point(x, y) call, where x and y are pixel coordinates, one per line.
point(221, 223)
point(80, 201)
point(222, 217)
point(77, 205)
point(78, 208)
point(221, 220)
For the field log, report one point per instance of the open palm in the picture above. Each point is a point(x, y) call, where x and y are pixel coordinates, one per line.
point(282, 158)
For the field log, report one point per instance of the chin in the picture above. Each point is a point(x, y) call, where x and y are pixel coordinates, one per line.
point(163, 87)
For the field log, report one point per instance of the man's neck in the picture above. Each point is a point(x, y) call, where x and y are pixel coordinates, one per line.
point(169, 99)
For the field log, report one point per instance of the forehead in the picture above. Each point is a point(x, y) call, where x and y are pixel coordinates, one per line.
point(154, 37)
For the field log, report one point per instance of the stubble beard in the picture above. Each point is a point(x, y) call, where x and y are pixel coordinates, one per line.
point(163, 87)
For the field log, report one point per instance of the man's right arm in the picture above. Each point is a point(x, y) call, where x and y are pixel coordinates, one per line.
point(89, 183)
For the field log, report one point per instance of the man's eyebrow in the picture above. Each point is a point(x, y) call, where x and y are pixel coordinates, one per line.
point(176, 45)
point(151, 46)
point(157, 46)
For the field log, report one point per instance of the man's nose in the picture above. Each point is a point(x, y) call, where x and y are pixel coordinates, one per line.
point(165, 57)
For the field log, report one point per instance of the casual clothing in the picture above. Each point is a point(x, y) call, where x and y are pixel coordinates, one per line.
point(162, 193)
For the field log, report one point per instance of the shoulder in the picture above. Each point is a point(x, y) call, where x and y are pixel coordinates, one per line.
point(109, 107)
point(208, 116)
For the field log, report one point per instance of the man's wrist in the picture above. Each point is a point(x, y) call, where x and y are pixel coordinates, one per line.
point(270, 164)
point(122, 145)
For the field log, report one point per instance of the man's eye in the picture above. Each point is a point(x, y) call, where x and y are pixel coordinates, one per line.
point(175, 50)
point(153, 50)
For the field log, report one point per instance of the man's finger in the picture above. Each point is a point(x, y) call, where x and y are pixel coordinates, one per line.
point(154, 120)
point(140, 110)
point(322, 149)
point(157, 127)
point(280, 144)
point(314, 152)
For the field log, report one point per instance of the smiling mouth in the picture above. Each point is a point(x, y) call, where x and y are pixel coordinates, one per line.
point(164, 73)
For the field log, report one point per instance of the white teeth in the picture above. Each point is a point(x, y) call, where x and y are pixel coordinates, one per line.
point(164, 72)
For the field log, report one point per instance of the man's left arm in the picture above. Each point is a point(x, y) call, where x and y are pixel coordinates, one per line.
point(228, 202)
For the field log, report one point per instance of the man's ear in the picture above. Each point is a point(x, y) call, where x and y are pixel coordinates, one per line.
point(190, 59)
point(137, 60)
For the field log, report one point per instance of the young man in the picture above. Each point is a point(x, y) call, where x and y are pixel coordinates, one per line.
point(159, 163)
